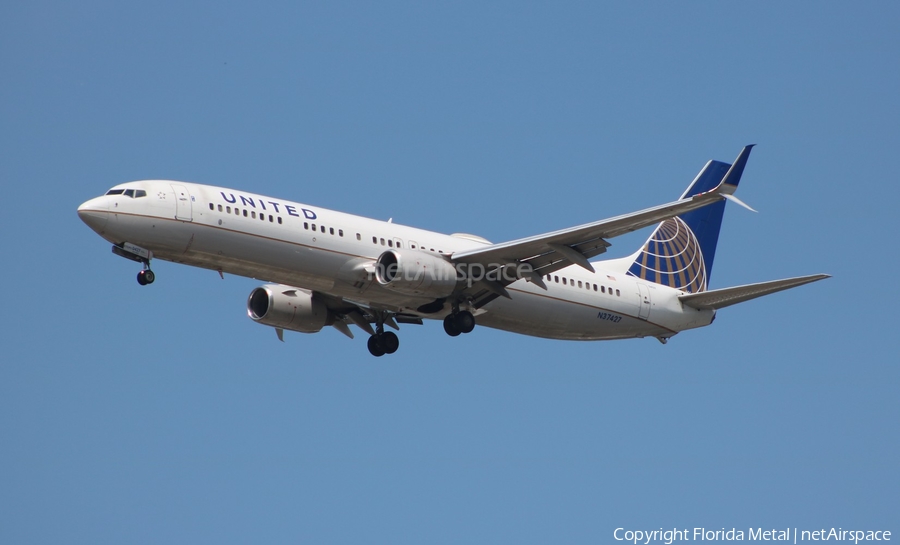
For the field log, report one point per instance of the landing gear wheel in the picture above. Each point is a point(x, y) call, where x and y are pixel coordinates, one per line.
point(465, 322)
point(145, 277)
point(376, 348)
point(450, 326)
point(390, 342)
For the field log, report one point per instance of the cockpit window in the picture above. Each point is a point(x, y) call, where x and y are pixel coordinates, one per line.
point(132, 193)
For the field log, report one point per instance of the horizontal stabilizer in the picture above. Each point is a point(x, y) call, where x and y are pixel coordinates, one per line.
point(715, 299)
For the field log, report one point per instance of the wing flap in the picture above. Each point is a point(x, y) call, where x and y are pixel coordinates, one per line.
point(716, 299)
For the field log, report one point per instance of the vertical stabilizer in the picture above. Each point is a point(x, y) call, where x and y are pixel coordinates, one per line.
point(681, 250)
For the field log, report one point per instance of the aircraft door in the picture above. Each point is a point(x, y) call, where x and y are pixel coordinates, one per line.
point(183, 210)
point(644, 310)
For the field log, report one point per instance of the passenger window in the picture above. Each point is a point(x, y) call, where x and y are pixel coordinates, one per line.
point(306, 225)
point(374, 240)
point(340, 232)
point(237, 212)
point(602, 289)
point(331, 230)
point(556, 279)
point(390, 243)
point(253, 215)
point(618, 294)
point(579, 283)
point(220, 208)
point(595, 287)
point(262, 217)
point(211, 207)
point(279, 220)
point(245, 213)
point(228, 209)
point(271, 219)
point(382, 242)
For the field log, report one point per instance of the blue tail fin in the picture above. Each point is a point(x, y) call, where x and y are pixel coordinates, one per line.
point(681, 250)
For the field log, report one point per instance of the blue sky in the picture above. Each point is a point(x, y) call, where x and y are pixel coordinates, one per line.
point(163, 414)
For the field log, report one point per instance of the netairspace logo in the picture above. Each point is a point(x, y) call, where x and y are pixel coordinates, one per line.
point(794, 535)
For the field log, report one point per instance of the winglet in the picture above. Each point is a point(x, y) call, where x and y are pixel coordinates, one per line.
point(733, 176)
point(736, 200)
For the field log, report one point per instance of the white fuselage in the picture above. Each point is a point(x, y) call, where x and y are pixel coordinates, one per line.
point(326, 251)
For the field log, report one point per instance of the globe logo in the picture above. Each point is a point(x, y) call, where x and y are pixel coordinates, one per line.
point(672, 257)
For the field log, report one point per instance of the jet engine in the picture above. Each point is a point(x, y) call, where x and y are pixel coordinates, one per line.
point(411, 272)
point(287, 308)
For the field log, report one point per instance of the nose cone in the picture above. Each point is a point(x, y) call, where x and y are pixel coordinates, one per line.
point(95, 213)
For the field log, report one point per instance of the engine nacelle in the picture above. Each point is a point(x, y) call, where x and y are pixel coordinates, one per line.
point(411, 272)
point(288, 308)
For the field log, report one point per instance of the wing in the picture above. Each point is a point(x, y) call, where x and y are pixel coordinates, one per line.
point(576, 245)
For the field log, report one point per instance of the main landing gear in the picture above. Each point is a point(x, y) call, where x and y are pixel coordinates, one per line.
point(386, 342)
point(458, 322)
point(383, 342)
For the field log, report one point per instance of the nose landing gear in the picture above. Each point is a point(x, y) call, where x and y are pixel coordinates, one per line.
point(141, 255)
point(146, 276)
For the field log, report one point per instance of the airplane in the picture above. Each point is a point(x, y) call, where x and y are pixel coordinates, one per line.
point(327, 268)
